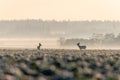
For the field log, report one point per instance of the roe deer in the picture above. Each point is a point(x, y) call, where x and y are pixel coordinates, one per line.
point(81, 47)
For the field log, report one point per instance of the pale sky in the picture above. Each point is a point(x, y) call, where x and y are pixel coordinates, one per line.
point(60, 9)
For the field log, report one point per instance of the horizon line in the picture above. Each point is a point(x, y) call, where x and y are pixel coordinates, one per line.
point(64, 20)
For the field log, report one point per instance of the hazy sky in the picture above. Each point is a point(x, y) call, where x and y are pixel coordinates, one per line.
point(60, 9)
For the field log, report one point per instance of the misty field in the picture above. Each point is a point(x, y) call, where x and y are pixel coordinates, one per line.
point(59, 64)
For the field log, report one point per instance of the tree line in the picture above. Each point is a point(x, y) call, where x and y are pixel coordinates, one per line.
point(52, 28)
point(108, 39)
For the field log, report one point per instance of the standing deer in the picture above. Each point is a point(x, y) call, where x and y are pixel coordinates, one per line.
point(81, 47)
point(38, 47)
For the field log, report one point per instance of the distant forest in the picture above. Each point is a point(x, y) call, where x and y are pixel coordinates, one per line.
point(56, 29)
point(96, 40)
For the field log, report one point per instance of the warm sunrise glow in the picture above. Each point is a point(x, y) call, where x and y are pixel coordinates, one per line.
point(60, 9)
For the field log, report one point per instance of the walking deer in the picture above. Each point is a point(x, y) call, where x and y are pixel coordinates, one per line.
point(81, 47)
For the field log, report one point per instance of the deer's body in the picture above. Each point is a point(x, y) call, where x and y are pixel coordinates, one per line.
point(81, 47)
point(38, 47)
